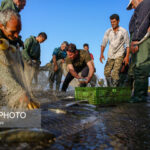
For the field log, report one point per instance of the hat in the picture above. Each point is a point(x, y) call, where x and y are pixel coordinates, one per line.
point(129, 7)
point(71, 48)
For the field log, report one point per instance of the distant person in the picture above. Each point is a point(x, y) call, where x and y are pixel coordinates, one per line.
point(31, 55)
point(93, 80)
point(78, 61)
point(55, 74)
point(118, 40)
point(86, 48)
point(16, 5)
point(139, 26)
point(16, 94)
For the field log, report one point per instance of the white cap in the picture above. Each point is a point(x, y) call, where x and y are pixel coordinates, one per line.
point(129, 7)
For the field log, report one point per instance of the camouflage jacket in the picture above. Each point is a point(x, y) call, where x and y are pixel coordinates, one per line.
point(8, 4)
point(81, 61)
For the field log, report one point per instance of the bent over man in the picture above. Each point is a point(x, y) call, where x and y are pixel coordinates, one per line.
point(78, 61)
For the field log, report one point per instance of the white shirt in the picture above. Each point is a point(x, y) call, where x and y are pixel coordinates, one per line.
point(118, 41)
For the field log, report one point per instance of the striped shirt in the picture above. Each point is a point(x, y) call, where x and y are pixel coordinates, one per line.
point(118, 41)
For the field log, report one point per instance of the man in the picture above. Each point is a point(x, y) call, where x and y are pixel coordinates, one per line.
point(139, 26)
point(93, 80)
point(31, 55)
point(16, 5)
point(59, 55)
point(16, 95)
point(118, 40)
point(86, 48)
point(78, 61)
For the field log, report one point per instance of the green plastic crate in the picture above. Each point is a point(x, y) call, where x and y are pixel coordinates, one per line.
point(103, 95)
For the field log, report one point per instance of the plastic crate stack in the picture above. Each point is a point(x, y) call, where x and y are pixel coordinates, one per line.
point(103, 95)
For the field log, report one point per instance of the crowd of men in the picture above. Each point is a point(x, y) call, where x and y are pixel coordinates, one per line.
point(128, 60)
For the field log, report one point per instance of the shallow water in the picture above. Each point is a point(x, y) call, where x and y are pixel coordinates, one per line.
point(86, 127)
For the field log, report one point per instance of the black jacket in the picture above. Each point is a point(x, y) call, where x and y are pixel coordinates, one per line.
point(140, 21)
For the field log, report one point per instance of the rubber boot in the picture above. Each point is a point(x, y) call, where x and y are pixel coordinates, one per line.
point(114, 83)
point(109, 81)
point(57, 87)
point(51, 85)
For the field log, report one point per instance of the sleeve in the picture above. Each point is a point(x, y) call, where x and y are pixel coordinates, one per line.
point(39, 54)
point(2, 5)
point(5, 4)
point(27, 47)
point(92, 57)
point(68, 61)
point(126, 38)
point(55, 52)
point(105, 39)
point(87, 57)
point(142, 22)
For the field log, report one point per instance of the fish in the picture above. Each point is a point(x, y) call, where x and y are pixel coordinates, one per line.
point(26, 135)
point(58, 111)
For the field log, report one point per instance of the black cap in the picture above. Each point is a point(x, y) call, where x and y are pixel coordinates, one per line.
point(71, 48)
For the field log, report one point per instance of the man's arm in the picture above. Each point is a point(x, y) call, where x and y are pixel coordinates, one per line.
point(142, 23)
point(55, 63)
point(126, 59)
point(135, 44)
point(91, 71)
point(104, 43)
point(126, 39)
point(102, 54)
point(73, 72)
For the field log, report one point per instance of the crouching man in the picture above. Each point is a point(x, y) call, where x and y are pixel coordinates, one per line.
point(78, 61)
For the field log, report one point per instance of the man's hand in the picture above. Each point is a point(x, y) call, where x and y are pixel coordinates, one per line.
point(134, 47)
point(126, 60)
point(30, 104)
point(4, 44)
point(29, 62)
point(123, 68)
point(55, 68)
point(62, 60)
point(102, 58)
point(33, 105)
point(34, 61)
point(83, 80)
point(79, 77)
point(88, 79)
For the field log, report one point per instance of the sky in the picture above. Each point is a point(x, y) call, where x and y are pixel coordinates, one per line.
point(75, 21)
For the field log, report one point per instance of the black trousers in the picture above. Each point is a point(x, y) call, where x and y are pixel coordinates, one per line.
point(84, 73)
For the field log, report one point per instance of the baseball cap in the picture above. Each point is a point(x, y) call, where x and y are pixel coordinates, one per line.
point(71, 48)
point(129, 7)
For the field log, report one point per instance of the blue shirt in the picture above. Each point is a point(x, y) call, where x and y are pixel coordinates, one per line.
point(60, 54)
